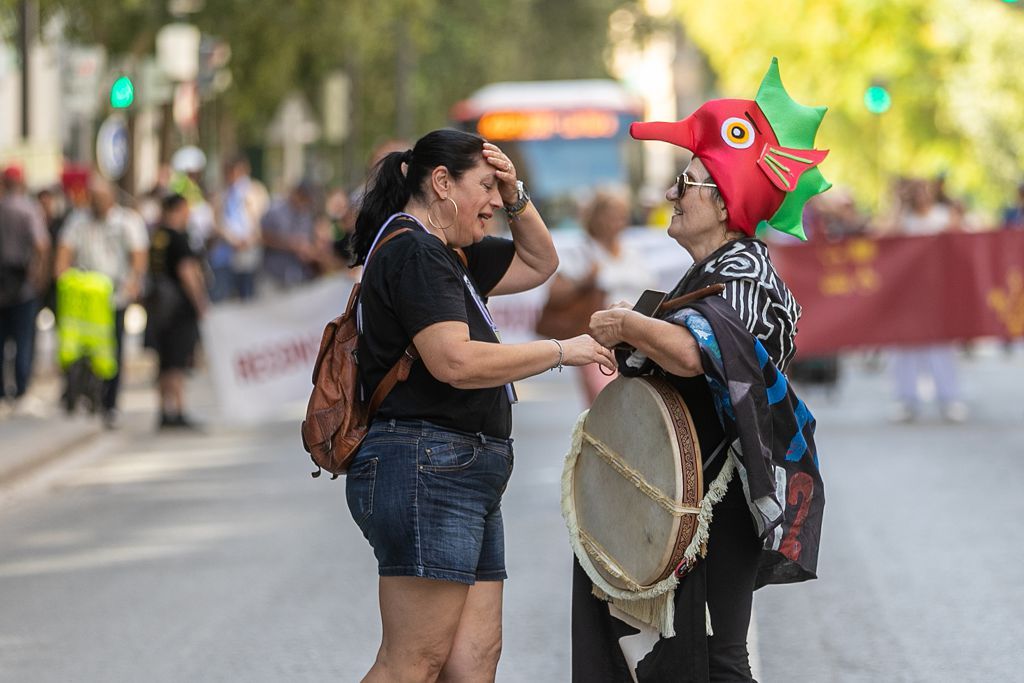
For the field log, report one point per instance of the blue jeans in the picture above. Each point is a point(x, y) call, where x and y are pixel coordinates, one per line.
point(18, 323)
point(429, 500)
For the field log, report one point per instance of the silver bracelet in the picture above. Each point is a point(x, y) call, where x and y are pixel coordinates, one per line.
point(561, 355)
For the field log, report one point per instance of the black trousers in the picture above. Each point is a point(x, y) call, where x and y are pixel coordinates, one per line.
point(112, 386)
point(725, 579)
point(731, 568)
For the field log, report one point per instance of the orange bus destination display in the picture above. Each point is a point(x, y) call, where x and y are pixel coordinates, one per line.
point(543, 125)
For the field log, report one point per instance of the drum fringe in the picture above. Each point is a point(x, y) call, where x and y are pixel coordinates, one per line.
point(655, 605)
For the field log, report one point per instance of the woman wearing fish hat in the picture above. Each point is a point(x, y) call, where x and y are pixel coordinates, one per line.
point(753, 167)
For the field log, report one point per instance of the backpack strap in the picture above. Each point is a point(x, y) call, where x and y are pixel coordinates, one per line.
point(385, 240)
point(398, 373)
point(400, 370)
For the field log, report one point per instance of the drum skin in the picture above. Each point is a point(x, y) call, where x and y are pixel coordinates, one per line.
point(646, 423)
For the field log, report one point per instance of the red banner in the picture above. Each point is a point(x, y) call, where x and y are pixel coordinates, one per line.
point(905, 290)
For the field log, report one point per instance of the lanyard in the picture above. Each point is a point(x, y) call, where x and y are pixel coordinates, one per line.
point(510, 390)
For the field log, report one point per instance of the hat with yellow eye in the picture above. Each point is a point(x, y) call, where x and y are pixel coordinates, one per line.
point(759, 152)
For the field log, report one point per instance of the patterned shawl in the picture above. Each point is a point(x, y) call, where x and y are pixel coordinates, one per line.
point(746, 341)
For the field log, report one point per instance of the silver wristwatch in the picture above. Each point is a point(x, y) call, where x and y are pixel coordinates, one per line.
point(515, 210)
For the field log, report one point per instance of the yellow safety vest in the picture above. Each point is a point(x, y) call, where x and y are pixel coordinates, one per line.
point(85, 323)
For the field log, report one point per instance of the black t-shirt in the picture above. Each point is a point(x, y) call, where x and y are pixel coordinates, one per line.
point(167, 249)
point(415, 281)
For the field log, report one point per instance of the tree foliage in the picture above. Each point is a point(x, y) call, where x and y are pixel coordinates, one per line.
point(950, 65)
point(435, 51)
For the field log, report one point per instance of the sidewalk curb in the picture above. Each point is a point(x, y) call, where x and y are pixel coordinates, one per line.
point(48, 455)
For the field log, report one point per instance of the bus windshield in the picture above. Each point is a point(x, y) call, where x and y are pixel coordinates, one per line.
point(565, 137)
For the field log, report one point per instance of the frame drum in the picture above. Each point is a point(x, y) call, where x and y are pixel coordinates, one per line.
point(637, 484)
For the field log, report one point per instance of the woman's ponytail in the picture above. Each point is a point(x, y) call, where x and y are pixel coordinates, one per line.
point(387, 193)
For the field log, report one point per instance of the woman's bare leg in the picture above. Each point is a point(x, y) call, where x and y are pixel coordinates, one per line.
point(420, 618)
point(474, 655)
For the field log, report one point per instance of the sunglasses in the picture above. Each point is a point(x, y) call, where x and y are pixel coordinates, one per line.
point(683, 181)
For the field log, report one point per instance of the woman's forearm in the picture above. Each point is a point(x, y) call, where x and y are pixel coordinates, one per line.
point(480, 365)
point(672, 347)
point(533, 242)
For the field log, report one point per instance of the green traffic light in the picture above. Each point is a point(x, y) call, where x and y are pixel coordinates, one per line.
point(877, 99)
point(122, 93)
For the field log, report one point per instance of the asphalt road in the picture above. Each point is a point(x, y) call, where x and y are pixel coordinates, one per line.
point(217, 557)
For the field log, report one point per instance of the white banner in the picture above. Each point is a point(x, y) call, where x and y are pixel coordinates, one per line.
point(261, 354)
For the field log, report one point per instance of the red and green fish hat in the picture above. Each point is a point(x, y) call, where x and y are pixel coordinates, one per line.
point(759, 152)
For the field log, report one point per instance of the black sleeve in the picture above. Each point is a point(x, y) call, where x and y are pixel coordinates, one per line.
point(427, 289)
point(178, 249)
point(489, 260)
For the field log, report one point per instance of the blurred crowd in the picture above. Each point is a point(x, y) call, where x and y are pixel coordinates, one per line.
point(175, 249)
point(917, 206)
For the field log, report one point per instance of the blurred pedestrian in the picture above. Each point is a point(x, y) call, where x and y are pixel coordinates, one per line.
point(109, 239)
point(180, 301)
point(289, 235)
point(924, 215)
point(1013, 215)
point(341, 222)
point(54, 214)
point(441, 437)
point(188, 165)
point(605, 262)
point(24, 255)
point(235, 252)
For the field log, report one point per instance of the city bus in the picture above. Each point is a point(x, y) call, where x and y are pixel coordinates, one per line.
point(565, 137)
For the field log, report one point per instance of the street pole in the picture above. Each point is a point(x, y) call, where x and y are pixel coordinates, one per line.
point(26, 29)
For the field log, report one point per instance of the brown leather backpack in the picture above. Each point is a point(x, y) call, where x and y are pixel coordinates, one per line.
point(337, 419)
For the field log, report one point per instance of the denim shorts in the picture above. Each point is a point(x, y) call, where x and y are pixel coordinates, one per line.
point(428, 500)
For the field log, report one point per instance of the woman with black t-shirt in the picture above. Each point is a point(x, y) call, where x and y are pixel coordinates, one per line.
point(425, 487)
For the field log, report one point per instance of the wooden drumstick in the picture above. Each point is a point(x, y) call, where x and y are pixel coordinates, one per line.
point(681, 301)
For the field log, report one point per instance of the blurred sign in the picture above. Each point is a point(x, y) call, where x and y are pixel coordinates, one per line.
point(185, 108)
point(177, 51)
point(154, 86)
point(336, 107)
point(542, 125)
point(906, 290)
point(113, 147)
point(81, 79)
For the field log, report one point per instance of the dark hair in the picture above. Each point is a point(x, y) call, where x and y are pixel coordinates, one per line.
point(388, 190)
point(172, 202)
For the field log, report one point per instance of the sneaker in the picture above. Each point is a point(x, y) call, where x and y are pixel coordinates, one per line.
point(187, 424)
point(179, 422)
point(110, 418)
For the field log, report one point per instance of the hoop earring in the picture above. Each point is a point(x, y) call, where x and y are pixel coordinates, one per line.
point(430, 214)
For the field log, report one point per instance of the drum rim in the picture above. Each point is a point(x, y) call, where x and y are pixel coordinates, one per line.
point(690, 488)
